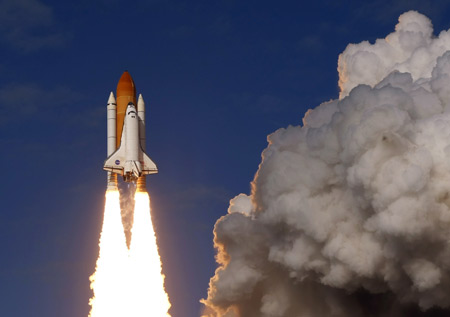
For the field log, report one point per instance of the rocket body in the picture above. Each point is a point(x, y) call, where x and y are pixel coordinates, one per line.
point(126, 137)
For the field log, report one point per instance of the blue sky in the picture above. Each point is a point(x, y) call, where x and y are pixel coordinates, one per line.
point(217, 78)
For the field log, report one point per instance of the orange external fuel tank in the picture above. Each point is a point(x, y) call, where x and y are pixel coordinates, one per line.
point(126, 92)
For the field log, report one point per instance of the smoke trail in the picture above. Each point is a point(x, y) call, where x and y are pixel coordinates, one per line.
point(109, 282)
point(349, 215)
point(127, 192)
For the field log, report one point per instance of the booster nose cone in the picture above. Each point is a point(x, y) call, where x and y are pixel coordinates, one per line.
point(111, 99)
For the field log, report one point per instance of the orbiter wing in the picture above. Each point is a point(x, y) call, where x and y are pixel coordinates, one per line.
point(148, 167)
point(116, 162)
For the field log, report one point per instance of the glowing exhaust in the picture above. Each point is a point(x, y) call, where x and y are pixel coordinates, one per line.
point(128, 282)
point(148, 295)
point(109, 282)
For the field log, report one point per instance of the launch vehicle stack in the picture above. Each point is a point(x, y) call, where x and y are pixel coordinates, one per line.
point(126, 137)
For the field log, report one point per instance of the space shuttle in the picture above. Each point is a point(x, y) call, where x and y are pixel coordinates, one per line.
point(126, 137)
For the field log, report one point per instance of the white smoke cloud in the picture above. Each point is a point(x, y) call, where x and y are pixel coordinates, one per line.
point(241, 203)
point(349, 215)
point(412, 48)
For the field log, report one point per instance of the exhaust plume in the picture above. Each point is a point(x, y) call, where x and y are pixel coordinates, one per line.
point(110, 281)
point(349, 215)
point(128, 282)
point(148, 295)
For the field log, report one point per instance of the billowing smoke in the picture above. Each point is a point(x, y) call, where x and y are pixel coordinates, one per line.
point(349, 215)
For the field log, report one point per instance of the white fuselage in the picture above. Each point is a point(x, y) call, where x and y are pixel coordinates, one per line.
point(132, 168)
point(132, 134)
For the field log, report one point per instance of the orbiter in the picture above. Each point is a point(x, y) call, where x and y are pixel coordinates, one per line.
point(126, 137)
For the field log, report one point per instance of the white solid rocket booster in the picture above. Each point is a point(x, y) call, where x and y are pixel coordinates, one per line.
point(141, 115)
point(111, 143)
point(140, 183)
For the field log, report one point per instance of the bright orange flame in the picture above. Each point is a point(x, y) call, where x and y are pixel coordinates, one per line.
point(109, 282)
point(148, 295)
point(128, 283)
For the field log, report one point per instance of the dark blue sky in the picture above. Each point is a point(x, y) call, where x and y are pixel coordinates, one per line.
point(217, 78)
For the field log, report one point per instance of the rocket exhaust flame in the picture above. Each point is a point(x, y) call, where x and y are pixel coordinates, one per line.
point(110, 278)
point(128, 282)
point(149, 297)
